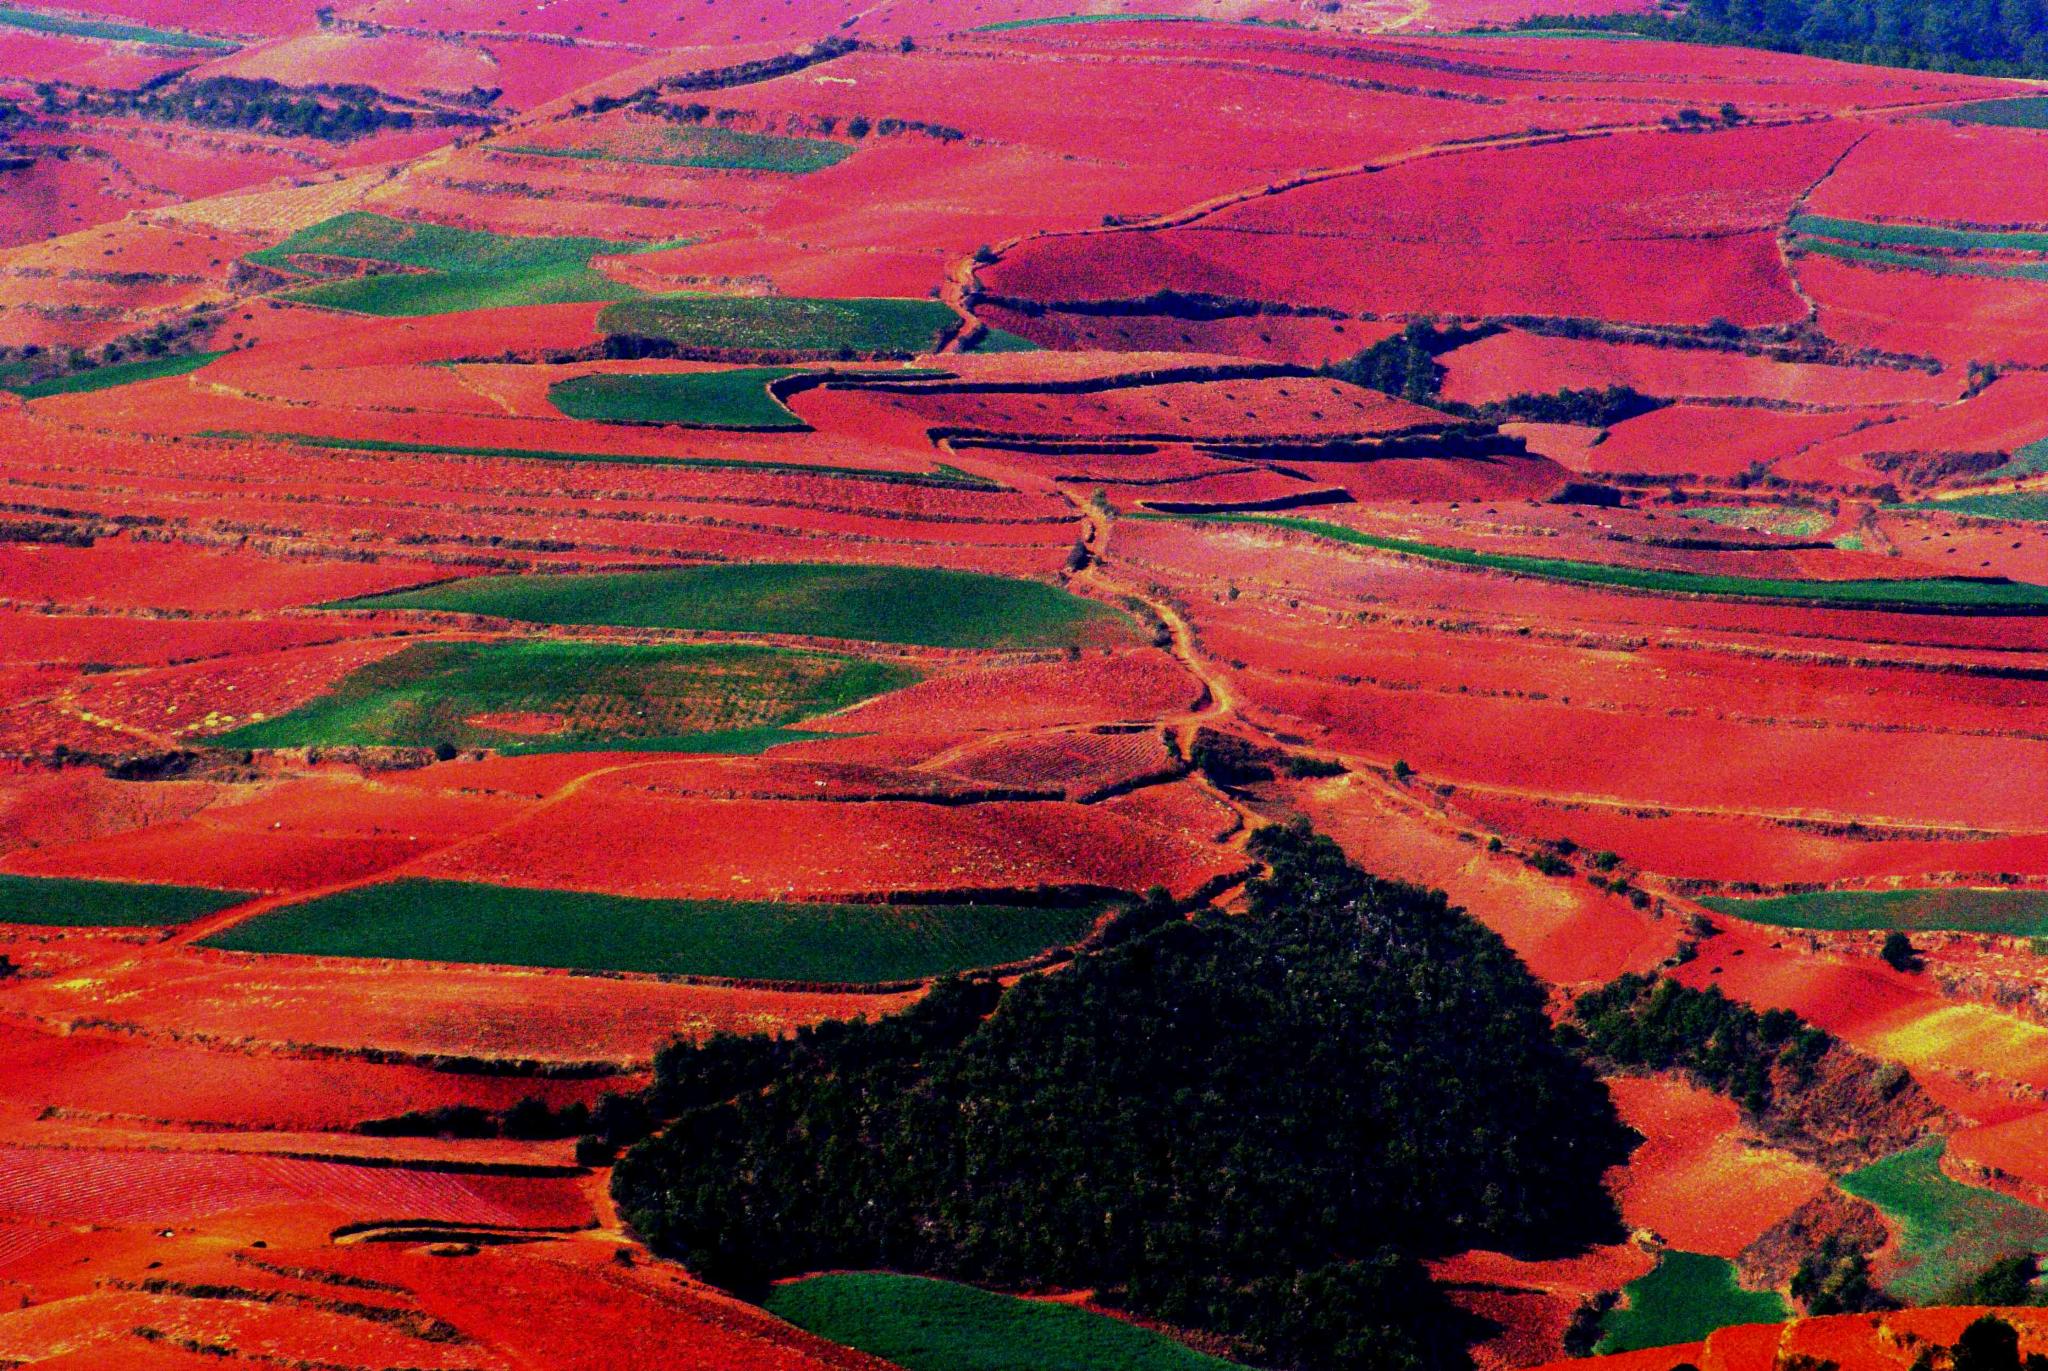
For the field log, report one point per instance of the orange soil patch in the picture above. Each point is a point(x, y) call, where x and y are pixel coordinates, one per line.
point(119, 573)
point(1852, 1342)
point(278, 1002)
point(1695, 1181)
point(1110, 688)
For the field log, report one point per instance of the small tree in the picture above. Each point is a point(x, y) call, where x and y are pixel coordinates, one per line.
point(1899, 953)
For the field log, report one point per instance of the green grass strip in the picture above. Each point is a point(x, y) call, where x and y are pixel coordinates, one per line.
point(2018, 913)
point(942, 476)
point(781, 323)
point(701, 399)
point(1782, 520)
point(2019, 112)
point(369, 237)
point(2029, 505)
point(1916, 235)
point(1051, 20)
point(1684, 1298)
point(931, 1325)
point(1913, 261)
point(120, 374)
point(886, 604)
point(461, 921)
point(1933, 592)
point(568, 696)
point(1947, 1230)
point(416, 295)
point(714, 149)
point(61, 902)
point(40, 22)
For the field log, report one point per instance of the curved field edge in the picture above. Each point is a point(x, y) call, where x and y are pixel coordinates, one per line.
point(751, 940)
point(922, 1324)
point(1937, 593)
point(553, 696)
point(1685, 1297)
point(56, 901)
point(2017, 913)
point(916, 606)
point(1947, 1230)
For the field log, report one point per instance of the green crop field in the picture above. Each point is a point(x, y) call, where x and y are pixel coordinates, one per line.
point(120, 374)
point(1917, 235)
point(1943, 592)
point(412, 295)
point(931, 1325)
point(942, 476)
point(455, 269)
point(460, 921)
point(714, 148)
point(704, 399)
point(565, 696)
point(1915, 261)
point(107, 904)
point(106, 30)
point(884, 604)
point(2020, 913)
point(1947, 1230)
point(1002, 340)
point(776, 323)
point(2016, 504)
point(2019, 112)
point(1686, 1297)
point(1785, 521)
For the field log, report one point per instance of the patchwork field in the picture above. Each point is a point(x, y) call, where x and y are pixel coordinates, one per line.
point(535, 534)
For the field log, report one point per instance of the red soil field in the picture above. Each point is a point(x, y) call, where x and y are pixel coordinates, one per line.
point(1958, 319)
point(1930, 171)
point(1516, 363)
point(1671, 187)
point(1716, 441)
point(1696, 1182)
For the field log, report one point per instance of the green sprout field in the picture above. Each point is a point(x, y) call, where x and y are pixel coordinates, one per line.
point(120, 374)
point(562, 696)
point(714, 148)
point(1936, 592)
point(932, 1325)
point(1686, 1297)
point(773, 323)
point(884, 604)
point(57, 901)
point(453, 270)
point(107, 31)
point(2019, 913)
point(1947, 1230)
point(706, 399)
point(460, 921)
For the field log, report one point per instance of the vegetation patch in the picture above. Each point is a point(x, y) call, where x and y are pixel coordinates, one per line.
point(919, 605)
point(2020, 112)
point(1947, 1230)
point(1002, 340)
point(1923, 261)
point(1934, 592)
point(1252, 1124)
point(715, 148)
point(59, 901)
point(1092, 19)
point(1786, 521)
point(2027, 505)
point(120, 374)
point(563, 696)
point(1683, 1299)
point(73, 27)
point(702, 399)
point(1917, 235)
point(452, 270)
point(776, 323)
point(461, 921)
point(932, 1325)
point(2019, 913)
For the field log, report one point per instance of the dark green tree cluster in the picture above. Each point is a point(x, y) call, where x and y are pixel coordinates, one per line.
point(1656, 1024)
point(1834, 1278)
point(1253, 1125)
point(1406, 364)
point(1992, 1344)
point(1596, 406)
point(2007, 1282)
point(1997, 37)
point(329, 113)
